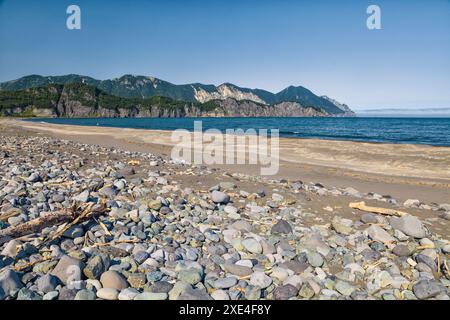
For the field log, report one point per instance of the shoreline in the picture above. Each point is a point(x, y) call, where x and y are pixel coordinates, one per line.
point(174, 231)
point(403, 171)
point(35, 120)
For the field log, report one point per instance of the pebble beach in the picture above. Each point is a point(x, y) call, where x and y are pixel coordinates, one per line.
point(83, 221)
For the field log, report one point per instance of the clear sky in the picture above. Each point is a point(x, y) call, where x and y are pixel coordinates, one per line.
point(322, 45)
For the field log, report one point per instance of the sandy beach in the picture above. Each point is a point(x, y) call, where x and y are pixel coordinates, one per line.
point(401, 170)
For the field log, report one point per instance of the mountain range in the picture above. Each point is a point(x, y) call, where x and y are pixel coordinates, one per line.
point(136, 90)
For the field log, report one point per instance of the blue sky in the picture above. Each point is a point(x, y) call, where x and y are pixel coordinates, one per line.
point(322, 45)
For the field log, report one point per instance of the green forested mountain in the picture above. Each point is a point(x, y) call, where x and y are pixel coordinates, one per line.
point(130, 86)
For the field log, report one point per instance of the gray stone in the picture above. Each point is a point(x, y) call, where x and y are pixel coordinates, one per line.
point(27, 294)
point(412, 203)
point(225, 283)
point(285, 292)
point(378, 234)
point(53, 295)
point(151, 296)
point(409, 225)
point(10, 283)
point(82, 197)
point(241, 271)
point(220, 295)
point(252, 245)
point(190, 276)
point(421, 258)
point(34, 177)
point(190, 293)
point(47, 283)
point(74, 232)
point(426, 289)
point(108, 294)
point(160, 287)
point(220, 197)
point(401, 250)
point(344, 288)
point(315, 259)
point(260, 279)
point(128, 294)
point(369, 218)
point(340, 227)
point(282, 227)
point(68, 268)
point(67, 293)
point(85, 295)
point(12, 248)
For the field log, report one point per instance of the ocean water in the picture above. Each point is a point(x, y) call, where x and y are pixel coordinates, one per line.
point(431, 131)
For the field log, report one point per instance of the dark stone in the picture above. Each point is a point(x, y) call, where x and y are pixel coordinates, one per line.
point(426, 260)
point(285, 292)
point(281, 227)
point(160, 287)
point(426, 289)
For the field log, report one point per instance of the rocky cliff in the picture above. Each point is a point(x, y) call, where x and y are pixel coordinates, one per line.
point(77, 100)
point(130, 86)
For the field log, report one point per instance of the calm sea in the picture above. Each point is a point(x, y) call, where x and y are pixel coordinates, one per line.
point(432, 131)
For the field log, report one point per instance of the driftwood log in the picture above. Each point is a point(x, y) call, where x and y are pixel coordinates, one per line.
point(73, 216)
point(390, 212)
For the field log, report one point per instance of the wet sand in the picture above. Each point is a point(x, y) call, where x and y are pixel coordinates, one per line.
point(402, 171)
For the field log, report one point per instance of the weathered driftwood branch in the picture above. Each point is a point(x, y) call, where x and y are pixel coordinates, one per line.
point(37, 224)
point(51, 219)
point(390, 212)
point(11, 213)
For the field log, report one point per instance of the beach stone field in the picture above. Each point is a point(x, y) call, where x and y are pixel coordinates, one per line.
point(85, 222)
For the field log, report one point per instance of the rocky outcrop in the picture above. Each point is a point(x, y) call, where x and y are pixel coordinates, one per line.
point(143, 87)
point(234, 108)
point(83, 101)
point(225, 91)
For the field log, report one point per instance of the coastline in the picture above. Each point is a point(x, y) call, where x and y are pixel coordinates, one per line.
point(185, 232)
point(401, 170)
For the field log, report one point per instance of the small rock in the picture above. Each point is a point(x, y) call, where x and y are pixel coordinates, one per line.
point(252, 245)
point(220, 197)
point(108, 294)
point(281, 227)
point(426, 289)
point(411, 203)
point(238, 270)
point(9, 283)
point(151, 296)
point(128, 294)
point(47, 283)
point(369, 218)
point(68, 269)
point(85, 295)
point(340, 227)
point(191, 276)
point(113, 280)
point(409, 225)
point(225, 283)
point(12, 248)
point(220, 295)
point(344, 288)
point(378, 234)
point(82, 197)
point(285, 292)
point(260, 279)
point(315, 259)
point(401, 250)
